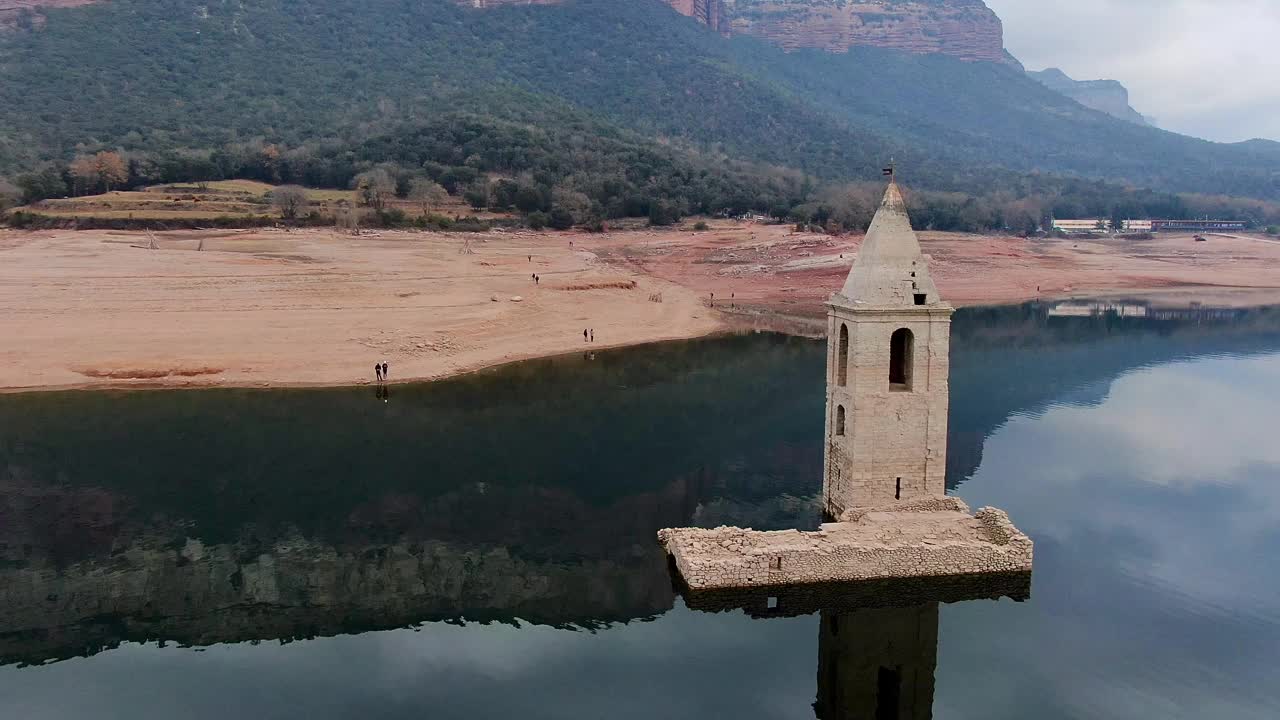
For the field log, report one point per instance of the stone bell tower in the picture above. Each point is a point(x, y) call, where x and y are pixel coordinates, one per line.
point(887, 373)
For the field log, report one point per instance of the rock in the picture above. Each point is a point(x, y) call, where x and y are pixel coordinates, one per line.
point(517, 298)
point(966, 29)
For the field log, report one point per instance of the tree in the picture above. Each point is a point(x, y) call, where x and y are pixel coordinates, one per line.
point(663, 213)
point(46, 183)
point(477, 196)
point(427, 193)
point(100, 172)
point(575, 203)
point(346, 218)
point(290, 200)
point(560, 219)
point(374, 188)
point(530, 198)
point(537, 220)
point(10, 195)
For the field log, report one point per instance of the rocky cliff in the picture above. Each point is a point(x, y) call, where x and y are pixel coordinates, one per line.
point(708, 12)
point(1106, 96)
point(966, 29)
point(30, 13)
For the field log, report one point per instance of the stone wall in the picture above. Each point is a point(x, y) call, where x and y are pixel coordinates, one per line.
point(882, 544)
point(889, 433)
point(786, 601)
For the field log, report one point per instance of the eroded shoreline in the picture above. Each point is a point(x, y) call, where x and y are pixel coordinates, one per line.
point(269, 308)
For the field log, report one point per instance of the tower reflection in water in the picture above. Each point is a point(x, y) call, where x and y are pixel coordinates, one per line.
point(877, 642)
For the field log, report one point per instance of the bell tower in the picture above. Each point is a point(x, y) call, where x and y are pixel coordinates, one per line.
point(889, 341)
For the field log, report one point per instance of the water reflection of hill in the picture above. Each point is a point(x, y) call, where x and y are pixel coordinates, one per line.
point(1018, 359)
point(530, 492)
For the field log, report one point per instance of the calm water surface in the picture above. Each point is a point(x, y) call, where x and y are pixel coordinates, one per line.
point(485, 547)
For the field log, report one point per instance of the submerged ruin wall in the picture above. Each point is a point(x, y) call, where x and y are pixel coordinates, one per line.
point(897, 543)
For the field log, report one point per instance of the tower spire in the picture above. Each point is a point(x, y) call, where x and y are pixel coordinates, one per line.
point(890, 270)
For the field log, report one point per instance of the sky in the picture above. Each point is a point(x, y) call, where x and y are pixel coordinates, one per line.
point(1207, 68)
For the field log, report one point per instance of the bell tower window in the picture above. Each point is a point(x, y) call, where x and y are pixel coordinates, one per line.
point(840, 421)
point(901, 350)
point(842, 357)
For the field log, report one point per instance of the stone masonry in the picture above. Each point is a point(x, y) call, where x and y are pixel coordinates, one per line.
point(891, 542)
point(888, 364)
point(891, 444)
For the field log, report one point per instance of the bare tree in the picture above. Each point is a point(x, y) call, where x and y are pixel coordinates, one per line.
point(427, 193)
point(290, 200)
point(99, 173)
point(346, 219)
point(10, 195)
point(374, 188)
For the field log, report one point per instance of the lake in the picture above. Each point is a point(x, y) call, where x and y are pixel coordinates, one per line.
point(485, 546)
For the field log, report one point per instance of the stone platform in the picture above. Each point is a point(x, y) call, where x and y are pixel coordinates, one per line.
point(937, 537)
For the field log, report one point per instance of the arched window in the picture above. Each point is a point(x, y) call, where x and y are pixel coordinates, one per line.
point(901, 349)
point(840, 420)
point(842, 357)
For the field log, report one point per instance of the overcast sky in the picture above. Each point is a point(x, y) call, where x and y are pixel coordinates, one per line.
point(1209, 68)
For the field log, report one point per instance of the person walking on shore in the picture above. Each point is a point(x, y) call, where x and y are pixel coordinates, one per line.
point(593, 334)
point(584, 336)
point(377, 371)
point(385, 371)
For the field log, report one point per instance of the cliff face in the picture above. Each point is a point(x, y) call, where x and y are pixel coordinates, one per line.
point(966, 29)
point(20, 13)
point(1106, 96)
point(708, 12)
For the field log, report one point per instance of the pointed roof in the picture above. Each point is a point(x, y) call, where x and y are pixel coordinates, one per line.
point(890, 271)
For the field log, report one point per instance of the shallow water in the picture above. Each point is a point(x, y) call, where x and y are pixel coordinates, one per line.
point(485, 547)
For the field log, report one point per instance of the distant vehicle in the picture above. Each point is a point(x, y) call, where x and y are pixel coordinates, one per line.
point(1201, 238)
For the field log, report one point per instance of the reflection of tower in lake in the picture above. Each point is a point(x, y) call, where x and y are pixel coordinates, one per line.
point(877, 640)
point(877, 663)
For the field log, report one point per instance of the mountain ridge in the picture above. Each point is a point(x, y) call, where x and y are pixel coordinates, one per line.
point(315, 76)
point(1108, 96)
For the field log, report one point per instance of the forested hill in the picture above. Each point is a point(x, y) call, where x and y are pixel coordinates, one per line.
point(329, 76)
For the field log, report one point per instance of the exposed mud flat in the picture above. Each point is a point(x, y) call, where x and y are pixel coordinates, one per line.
point(272, 308)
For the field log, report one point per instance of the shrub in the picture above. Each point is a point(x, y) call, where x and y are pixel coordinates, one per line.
point(560, 219)
point(700, 226)
point(1273, 230)
point(538, 220)
point(663, 213)
point(392, 217)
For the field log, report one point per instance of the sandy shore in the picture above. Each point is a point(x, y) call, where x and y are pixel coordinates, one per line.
point(270, 308)
point(769, 270)
point(82, 309)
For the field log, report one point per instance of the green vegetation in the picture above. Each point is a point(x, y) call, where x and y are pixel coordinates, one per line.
point(577, 113)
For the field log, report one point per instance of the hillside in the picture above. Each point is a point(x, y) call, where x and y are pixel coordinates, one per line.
point(329, 79)
point(1107, 96)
